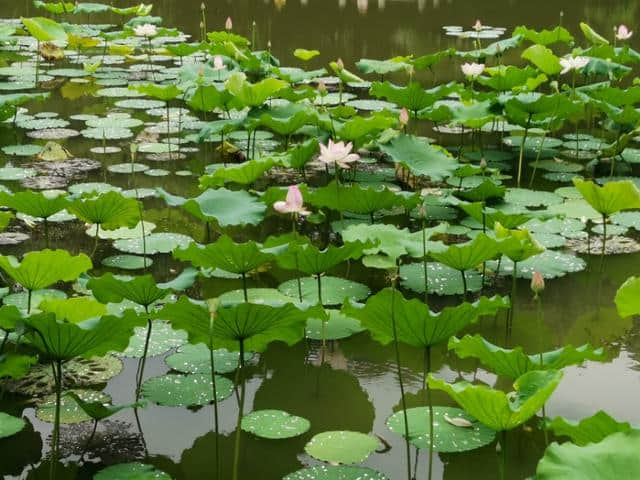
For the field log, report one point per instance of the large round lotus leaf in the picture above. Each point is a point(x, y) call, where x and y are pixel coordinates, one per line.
point(265, 296)
point(341, 446)
point(127, 262)
point(549, 240)
point(185, 390)
point(128, 167)
point(114, 121)
point(139, 103)
point(27, 150)
point(338, 326)
point(334, 290)
point(448, 436)
point(560, 177)
point(155, 243)
point(118, 92)
point(53, 133)
point(227, 207)
point(344, 472)
point(163, 338)
point(16, 173)
point(611, 229)
point(109, 133)
point(532, 142)
point(531, 198)
point(20, 299)
point(560, 226)
point(443, 280)
point(70, 412)
point(550, 264)
point(577, 208)
point(10, 425)
point(155, 148)
point(615, 457)
point(131, 471)
point(89, 187)
point(195, 359)
point(555, 165)
point(371, 105)
point(274, 424)
point(122, 232)
point(627, 219)
point(43, 123)
point(332, 99)
point(631, 155)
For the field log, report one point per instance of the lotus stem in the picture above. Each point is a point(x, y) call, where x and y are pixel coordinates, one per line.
point(295, 236)
point(168, 128)
point(604, 242)
point(514, 286)
point(236, 451)
point(57, 377)
point(143, 360)
point(430, 403)
point(29, 292)
point(503, 453)
point(524, 139)
point(4, 341)
point(215, 405)
point(464, 285)
point(96, 239)
point(244, 287)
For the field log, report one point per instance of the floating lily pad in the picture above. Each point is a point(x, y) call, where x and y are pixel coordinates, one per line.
point(227, 207)
point(27, 150)
point(556, 165)
point(20, 299)
point(155, 243)
point(127, 262)
point(53, 133)
point(265, 296)
point(185, 390)
point(70, 412)
point(337, 327)
point(344, 472)
point(195, 359)
point(334, 290)
point(443, 280)
point(118, 92)
point(341, 447)
point(43, 123)
point(128, 168)
point(448, 437)
point(274, 424)
point(89, 187)
point(131, 471)
point(10, 425)
point(550, 263)
point(122, 232)
point(13, 238)
point(163, 338)
point(139, 103)
point(108, 133)
point(627, 219)
point(16, 173)
point(616, 244)
point(531, 198)
point(157, 172)
point(577, 208)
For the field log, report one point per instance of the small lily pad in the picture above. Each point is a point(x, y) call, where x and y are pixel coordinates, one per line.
point(16, 173)
point(10, 425)
point(127, 262)
point(163, 242)
point(274, 424)
point(443, 280)
point(550, 263)
point(265, 296)
point(70, 412)
point(131, 471)
point(163, 338)
point(185, 390)
point(27, 150)
point(342, 446)
point(334, 290)
point(195, 359)
point(337, 327)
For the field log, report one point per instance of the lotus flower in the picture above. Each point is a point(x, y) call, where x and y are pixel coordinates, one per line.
point(537, 283)
point(473, 70)
point(147, 30)
point(404, 117)
point(575, 63)
point(218, 63)
point(228, 25)
point(623, 33)
point(363, 6)
point(293, 203)
point(338, 154)
point(477, 26)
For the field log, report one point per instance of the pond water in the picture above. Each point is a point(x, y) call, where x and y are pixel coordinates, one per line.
point(356, 389)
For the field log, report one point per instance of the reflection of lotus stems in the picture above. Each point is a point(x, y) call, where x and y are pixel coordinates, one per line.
point(524, 139)
point(55, 447)
point(153, 73)
point(37, 60)
point(133, 150)
point(89, 440)
point(240, 377)
point(535, 164)
point(427, 354)
point(168, 128)
point(45, 224)
point(143, 360)
point(215, 398)
point(604, 242)
point(399, 370)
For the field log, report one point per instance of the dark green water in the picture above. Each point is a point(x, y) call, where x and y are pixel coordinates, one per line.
point(358, 389)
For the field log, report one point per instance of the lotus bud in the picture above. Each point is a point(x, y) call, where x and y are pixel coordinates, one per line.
point(537, 283)
point(213, 306)
point(477, 26)
point(133, 148)
point(404, 117)
point(201, 25)
point(228, 25)
point(554, 86)
point(422, 211)
point(483, 164)
point(340, 64)
point(322, 88)
point(269, 45)
point(410, 70)
point(203, 6)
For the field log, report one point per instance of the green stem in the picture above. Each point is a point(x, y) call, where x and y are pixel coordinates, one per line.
point(143, 360)
point(244, 287)
point(430, 403)
point(524, 139)
point(236, 451)
point(604, 242)
point(215, 405)
point(464, 285)
point(514, 285)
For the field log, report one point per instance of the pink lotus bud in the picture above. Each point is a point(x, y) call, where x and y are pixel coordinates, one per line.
point(537, 283)
point(228, 25)
point(483, 163)
point(340, 64)
point(404, 117)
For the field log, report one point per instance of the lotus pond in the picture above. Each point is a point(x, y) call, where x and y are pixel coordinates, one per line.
point(228, 255)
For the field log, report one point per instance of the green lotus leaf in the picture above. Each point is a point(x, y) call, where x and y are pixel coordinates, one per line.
point(485, 191)
point(266, 296)
point(420, 158)
point(70, 411)
point(253, 95)
point(628, 297)
point(337, 327)
point(612, 458)
point(334, 289)
point(592, 429)
point(185, 390)
point(274, 424)
point(341, 447)
point(550, 263)
point(141, 290)
point(593, 36)
point(448, 437)
point(514, 363)
point(206, 98)
point(73, 310)
point(164, 93)
point(55, 7)
point(612, 197)
point(90, 7)
point(545, 111)
point(442, 280)
point(412, 97)
point(127, 262)
point(298, 156)
point(325, 472)
point(495, 49)
point(110, 210)
point(163, 242)
point(163, 338)
point(10, 425)
point(416, 324)
point(543, 58)
point(226, 255)
point(35, 204)
point(244, 173)
point(359, 130)
point(380, 67)
point(469, 255)
point(531, 198)
point(226, 207)
point(518, 245)
point(95, 337)
point(10, 317)
point(44, 29)
point(98, 410)
point(131, 471)
point(195, 359)
point(41, 269)
point(545, 37)
point(5, 219)
point(480, 213)
point(16, 366)
point(288, 119)
point(309, 259)
point(497, 409)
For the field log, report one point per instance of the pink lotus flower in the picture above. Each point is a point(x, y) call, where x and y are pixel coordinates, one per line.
point(623, 33)
point(293, 203)
point(218, 63)
point(537, 283)
point(228, 25)
point(473, 70)
point(338, 154)
point(404, 117)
